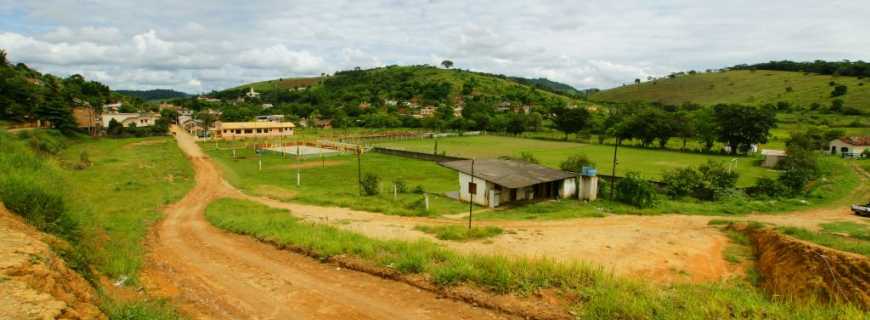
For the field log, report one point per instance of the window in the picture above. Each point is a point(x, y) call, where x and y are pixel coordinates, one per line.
point(472, 188)
point(249, 131)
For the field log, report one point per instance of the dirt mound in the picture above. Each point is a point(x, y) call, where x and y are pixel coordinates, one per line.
point(795, 268)
point(35, 283)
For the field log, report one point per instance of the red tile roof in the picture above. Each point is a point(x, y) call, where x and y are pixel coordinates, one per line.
point(857, 141)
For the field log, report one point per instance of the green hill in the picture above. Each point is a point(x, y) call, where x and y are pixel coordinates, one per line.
point(744, 86)
point(153, 95)
point(424, 83)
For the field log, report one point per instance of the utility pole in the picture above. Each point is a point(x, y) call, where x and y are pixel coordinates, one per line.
point(298, 166)
point(471, 195)
point(613, 171)
point(359, 169)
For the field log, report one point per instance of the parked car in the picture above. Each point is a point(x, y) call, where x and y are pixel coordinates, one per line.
point(862, 210)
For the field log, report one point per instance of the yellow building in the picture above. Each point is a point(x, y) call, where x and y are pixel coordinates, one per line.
point(241, 130)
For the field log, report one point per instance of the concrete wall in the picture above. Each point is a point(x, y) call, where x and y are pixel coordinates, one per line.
point(483, 187)
point(569, 188)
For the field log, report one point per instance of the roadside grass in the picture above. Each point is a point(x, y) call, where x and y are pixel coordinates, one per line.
point(336, 184)
point(601, 295)
point(649, 162)
point(140, 310)
point(830, 236)
point(460, 232)
point(117, 198)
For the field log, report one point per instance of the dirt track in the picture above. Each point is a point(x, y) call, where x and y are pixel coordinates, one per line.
point(214, 274)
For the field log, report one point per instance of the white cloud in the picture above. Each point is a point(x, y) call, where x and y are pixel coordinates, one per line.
point(203, 44)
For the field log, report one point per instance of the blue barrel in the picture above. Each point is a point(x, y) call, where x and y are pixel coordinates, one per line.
point(589, 171)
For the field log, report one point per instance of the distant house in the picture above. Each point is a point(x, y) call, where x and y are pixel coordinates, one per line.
point(497, 182)
point(850, 146)
point(267, 106)
point(112, 107)
point(208, 99)
point(772, 157)
point(251, 93)
point(271, 118)
point(130, 119)
point(241, 130)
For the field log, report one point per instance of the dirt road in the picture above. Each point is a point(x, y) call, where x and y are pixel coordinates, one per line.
point(217, 275)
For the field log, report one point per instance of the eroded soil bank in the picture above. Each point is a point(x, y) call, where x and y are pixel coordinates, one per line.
point(799, 269)
point(34, 282)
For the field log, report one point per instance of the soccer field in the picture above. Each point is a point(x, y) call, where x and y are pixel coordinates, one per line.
point(650, 163)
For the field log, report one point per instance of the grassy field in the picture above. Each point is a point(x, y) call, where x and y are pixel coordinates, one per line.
point(335, 183)
point(747, 87)
point(602, 296)
point(117, 198)
point(649, 162)
point(844, 236)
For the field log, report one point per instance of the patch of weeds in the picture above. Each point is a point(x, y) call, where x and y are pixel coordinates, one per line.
point(460, 233)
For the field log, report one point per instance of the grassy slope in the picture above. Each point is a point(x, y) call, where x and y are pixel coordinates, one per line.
point(486, 84)
point(282, 84)
point(845, 236)
point(336, 184)
point(649, 162)
point(603, 296)
point(746, 87)
point(117, 198)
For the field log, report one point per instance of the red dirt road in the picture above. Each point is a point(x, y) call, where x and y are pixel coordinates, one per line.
point(213, 274)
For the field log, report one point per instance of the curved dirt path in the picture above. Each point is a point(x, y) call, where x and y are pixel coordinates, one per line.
point(664, 248)
point(217, 275)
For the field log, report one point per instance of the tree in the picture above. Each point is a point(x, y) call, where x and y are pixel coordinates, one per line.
point(516, 123)
point(447, 64)
point(839, 90)
point(837, 105)
point(3, 61)
point(741, 126)
point(575, 163)
point(570, 120)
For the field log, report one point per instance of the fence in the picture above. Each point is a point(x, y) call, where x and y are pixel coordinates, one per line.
point(416, 155)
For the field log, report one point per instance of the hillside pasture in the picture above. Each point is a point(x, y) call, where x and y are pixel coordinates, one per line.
point(744, 87)
point(651, 163)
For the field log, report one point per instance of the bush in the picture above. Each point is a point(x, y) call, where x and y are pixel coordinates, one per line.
point(682, 182)
point(524, 156)
point(635, 191)
point(718, 180)
point(576, 163)
point(370, 184)
point(769, 187)
point(419, 189)
point(401, 186)
point(801, 167)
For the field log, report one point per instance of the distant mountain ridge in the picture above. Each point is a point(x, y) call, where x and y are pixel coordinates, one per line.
point(154, 94)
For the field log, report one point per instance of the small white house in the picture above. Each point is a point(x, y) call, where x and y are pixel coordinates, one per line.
point(772, 157)
point(497, 182)
point(850, 146)
point(252, 94)
point(131, 119)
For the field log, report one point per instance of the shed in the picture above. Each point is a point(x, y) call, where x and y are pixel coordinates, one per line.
point(497, 181)
point(772, 157)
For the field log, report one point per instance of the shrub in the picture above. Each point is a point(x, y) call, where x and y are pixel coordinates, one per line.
point(801, 167)
point(718, 180)
point(839, 90)
point(370, 184)
point(682, 182)
point(576, 163)
point(524, 156)
point(401, 186)
point(635, 191)
point(769, 187)
point(419, 189)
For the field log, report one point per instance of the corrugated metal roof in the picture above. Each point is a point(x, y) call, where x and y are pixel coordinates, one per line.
point(509, 173)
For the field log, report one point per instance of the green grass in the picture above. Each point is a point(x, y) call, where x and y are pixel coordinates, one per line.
point(600, 295)
point(336, 183)
point(140, 310)
point(117, 198)
point(746, 87)
point(844, 236)
point(460, 232)
point(651, 163)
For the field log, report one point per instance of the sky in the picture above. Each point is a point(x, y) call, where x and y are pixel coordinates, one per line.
point(202, 45)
